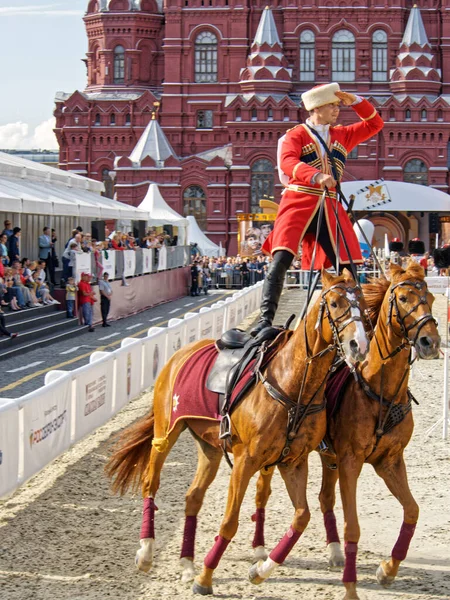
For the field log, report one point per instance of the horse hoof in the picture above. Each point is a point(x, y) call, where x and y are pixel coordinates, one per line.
point(336, 559)
point(260, 554)
point(253, 575)
point(351, 593)
point(143, 565)
point(197, 588)
point(383, 579)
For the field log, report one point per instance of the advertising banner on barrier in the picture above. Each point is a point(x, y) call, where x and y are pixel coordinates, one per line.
point(9, 446)
point(154, 347)
point(94, 395)
point(206, 323)
point(437, 285)
point(175, 336)
point(129, 263)
point(147, 260)
point(82, 264)
point(192, 325)
point(239, 309)
point(219, 319)
point(231, 314)
point(162, 258)
point(109, 263)
point(128, 372)
point(46, 424)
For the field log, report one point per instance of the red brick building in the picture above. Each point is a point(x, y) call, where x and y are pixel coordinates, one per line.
point(223, 78)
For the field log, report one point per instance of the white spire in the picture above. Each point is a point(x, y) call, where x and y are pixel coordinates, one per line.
point(267, 30)
point(415, 31)
point(153, 143)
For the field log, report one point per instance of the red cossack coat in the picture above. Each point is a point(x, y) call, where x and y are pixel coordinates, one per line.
point(301, 158)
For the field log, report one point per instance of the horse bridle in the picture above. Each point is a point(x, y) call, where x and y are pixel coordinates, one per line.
point(337, 327)
point(394, 309)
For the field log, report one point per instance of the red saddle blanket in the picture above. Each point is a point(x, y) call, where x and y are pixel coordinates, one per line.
point(190, 396)
point(335, 389)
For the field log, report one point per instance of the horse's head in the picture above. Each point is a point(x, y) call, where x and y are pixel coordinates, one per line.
point(409, 312)
point(341, 304)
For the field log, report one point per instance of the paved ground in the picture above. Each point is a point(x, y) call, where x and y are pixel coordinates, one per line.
point(23, 374)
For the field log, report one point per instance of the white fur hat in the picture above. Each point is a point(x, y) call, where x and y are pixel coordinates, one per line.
point(320, 95)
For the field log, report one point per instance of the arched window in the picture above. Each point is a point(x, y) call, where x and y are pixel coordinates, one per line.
point(112, 119)
point(205, 57)
point(407, 115)
point(97, 119)
point(238, 114)
point(127, 119)
point(307, 51)
point(423, 115)
point(379, 55)
point(194, 203)
point(270, 115)
point(109, 184)
point(119, 64)
point(262, 182)
point(416, 172)
point(254, 114)
point(343, 56)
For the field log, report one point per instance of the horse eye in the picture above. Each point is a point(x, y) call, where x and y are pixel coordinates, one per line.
point(333, 304)
point(403, 298)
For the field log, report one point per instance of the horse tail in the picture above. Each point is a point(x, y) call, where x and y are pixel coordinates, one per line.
point(131, 455)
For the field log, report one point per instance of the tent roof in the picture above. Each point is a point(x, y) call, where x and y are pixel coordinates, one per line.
point(404, 197)
point(34, 188)
point(158, 209)
point(197, 236)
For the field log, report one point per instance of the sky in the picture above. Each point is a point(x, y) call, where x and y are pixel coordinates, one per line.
point(42, 44)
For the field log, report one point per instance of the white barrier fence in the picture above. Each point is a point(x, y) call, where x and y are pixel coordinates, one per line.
point(38, 427)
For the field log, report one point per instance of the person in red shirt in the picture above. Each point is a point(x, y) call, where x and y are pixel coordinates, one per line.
point(86, 299)
point(306, 170)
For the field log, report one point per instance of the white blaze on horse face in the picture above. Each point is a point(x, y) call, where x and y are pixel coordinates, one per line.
point(360, 333)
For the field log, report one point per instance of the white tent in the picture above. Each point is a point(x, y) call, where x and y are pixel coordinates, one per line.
point(196, 235)
point(160, 212)
point(35, 189)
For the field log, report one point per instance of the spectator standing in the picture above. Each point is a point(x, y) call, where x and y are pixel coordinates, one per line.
point(194, 279)
point(4, 249)
point(7, 231)
point(86, 299)
point(245, 271)
point(71, 290)
point(54, 255)
point(14, 245)
point(105, 298)
point(45, 253)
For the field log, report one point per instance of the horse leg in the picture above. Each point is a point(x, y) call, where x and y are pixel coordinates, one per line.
point(349, 470)
point(241, 474)
point(263, 491)
point(327, 499)
point(144, 556)
point(295, 478)
point(396, 479)
point(208, 464)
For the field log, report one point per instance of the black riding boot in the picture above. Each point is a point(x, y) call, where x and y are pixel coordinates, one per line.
point(273, 286)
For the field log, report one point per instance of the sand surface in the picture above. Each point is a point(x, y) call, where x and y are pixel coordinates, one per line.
point(64, 536)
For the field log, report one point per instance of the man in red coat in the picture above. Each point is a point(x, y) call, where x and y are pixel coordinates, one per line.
point(305, 171)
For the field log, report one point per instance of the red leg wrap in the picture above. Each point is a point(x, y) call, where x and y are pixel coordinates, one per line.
point(351, 549)
point(148, 519)
point(258, 518)
point(215, 554)
point(188, 547)
point(401, 547)
point(285, 545)
point(330, 527)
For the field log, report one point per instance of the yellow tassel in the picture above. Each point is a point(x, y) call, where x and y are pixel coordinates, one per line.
point(160, 444)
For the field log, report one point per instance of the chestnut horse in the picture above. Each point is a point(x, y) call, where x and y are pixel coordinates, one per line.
point(374, 422)
point(299, 370)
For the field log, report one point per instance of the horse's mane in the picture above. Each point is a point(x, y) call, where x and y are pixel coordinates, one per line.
point(374, 293)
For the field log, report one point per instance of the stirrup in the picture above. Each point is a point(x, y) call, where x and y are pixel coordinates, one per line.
point(225, 427)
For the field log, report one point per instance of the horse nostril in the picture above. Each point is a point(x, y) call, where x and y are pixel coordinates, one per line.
point(425, 341)
point(353, 345)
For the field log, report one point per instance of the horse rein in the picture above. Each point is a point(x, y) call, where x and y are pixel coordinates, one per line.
point(298, 412)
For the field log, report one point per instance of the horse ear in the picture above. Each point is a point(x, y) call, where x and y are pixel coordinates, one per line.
point(395, 271)
point(327, 278)
point(347, 275)
point(415, 269)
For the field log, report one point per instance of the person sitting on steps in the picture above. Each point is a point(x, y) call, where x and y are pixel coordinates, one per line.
point(305, 171)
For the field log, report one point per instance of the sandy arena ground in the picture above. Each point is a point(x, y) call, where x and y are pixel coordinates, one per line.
point(63, 536)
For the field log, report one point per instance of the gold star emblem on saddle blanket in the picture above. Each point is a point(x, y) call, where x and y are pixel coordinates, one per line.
point(175, 402)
